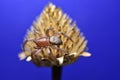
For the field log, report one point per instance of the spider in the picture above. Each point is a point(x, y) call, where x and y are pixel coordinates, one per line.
point(47, 41)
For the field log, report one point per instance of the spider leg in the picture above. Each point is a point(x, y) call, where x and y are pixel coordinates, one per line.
point(37, 50)
point(35, 56)
point(26, 42)
point(63, 35)
point(59, 49)
point(36, 31)
point(47, 31)
point(51, 56)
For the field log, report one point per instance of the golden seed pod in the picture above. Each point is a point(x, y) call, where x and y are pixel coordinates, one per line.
point(68, 52)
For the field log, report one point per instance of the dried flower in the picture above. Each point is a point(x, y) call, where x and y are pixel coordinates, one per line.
point(73, 46)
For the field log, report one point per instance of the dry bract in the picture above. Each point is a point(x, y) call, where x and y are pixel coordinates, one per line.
point(53, 17)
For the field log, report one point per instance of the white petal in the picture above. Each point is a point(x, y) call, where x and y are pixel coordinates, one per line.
point(86, 54)
point(21, 56)
point(60, 59)
point(28, 58)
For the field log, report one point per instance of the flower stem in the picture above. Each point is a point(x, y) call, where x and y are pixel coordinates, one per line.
point(56, 72)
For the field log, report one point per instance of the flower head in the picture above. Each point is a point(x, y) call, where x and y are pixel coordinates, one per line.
point(53, 40)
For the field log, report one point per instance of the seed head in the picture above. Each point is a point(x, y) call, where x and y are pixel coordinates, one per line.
point(53, 17)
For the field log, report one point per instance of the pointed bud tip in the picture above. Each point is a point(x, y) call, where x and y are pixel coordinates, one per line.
point(21, 56)
point(86, 54)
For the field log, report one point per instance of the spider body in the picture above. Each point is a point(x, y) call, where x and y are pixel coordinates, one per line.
point(47, 41)
point(42, 42)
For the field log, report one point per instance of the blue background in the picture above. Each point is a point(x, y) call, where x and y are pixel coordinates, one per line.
point(98, 19)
